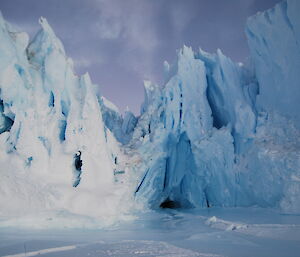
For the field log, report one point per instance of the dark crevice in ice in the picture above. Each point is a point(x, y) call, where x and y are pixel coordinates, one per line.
point(51, 100)
point(5, 122)
point(215, 100)
point(77, 171)
point(166, 173)
point(62, 130)
point(139, 186)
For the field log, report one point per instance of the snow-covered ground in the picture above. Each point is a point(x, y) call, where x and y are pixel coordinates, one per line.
point(211, 232)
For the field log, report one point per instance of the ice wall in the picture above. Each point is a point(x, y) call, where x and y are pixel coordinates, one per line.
point(121, 127)
point(274, 38)
point(191, 131)
point(47, 115)
point(225, 134)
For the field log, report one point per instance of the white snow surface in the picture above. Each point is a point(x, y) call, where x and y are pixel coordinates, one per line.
point(214, 232)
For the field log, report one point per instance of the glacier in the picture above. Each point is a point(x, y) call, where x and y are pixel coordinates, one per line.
point(215, 134)
point(48, 114)
point(224, 134)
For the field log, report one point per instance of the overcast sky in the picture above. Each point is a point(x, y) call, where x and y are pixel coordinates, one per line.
point(123, 42)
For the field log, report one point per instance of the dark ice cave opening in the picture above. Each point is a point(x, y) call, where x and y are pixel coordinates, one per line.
point(170, 204)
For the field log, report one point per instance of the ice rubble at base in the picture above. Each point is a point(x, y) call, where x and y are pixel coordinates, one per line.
point(217, 134)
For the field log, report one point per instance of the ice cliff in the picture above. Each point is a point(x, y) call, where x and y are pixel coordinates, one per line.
point(217, 133)
point(225, 134)
point(274, 38)
point(48, 116)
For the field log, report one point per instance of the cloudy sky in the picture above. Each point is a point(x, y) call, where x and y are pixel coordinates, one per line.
point(123, 42)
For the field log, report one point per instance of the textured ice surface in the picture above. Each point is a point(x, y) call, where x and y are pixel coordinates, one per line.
point(47, 115)
point(205, 140)
point(121, 127)
point(274, 37)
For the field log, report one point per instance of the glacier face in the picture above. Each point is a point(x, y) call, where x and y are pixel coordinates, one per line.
point(193, 150)
point(225, 134)
point(274, 38)
point(216, 134)
point(48, 114)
